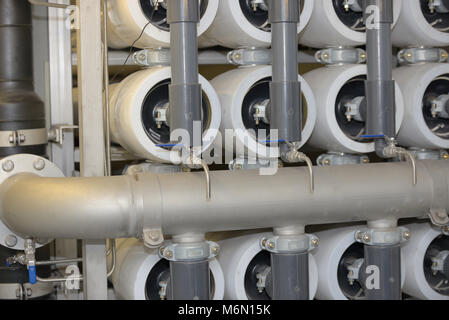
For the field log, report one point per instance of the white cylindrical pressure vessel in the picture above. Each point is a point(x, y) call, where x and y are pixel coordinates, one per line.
point(137, 109)
point(237, 24)
point(333, 86)
point(238, 254)
point(331, 25)
point(238, 90)
point(422, 86)
point(420, 281)
point(138, 270)
point(418, 26)
point(336, 244)
point(128, 18)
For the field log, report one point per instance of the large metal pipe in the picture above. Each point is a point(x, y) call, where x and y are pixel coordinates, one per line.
point(380, 87)
point(185, 89)
point(120, 207)
point(285, 89)
point(22, 113)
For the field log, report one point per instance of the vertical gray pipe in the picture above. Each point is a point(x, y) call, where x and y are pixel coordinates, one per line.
point(190, 280)
point(20, 107)
point(285, 89)
point(380, 87)
point(388, 261)
point(185, 90)
point(290, 274)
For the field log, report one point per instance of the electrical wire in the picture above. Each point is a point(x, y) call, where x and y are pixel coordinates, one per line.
point(132, 45)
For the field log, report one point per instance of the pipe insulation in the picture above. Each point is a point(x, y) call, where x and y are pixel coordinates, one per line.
point(239, 90)
point(426, 121)
point(333, 87)
point(331, 25)
point(139, 271)
point(120, 207)
point(127, 19)
point(418, 26)
point(134, 120)
point(237, 24)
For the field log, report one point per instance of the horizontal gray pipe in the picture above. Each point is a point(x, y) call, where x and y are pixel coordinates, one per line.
point(120, 207)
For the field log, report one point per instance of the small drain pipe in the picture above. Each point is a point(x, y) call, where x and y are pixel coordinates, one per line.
point(380, 87)
point(185, 90)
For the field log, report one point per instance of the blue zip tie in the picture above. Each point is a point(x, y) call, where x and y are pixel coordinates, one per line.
point(32, 274)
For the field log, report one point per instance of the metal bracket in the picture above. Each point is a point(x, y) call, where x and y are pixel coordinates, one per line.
point(340, 56)
point(423, 154)
point(249, 56)
point(341, 159)
point(56, 133)
point(354, 271)
point(439, 217)
point(422, 55)
point(439, 261)
point(153, 238)
point(23, 138)
point(152, 57)
point(381, 237)
point(189, 251)
point(290, 244)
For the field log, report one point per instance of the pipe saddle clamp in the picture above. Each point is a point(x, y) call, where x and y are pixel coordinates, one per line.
point(188, 252)
point(380, 237)
point(290, 244)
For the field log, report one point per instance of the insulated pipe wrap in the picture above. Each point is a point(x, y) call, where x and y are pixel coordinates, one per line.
point(99, 208)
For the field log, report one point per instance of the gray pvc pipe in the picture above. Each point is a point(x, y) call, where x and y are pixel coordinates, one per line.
point(121, 207)
point(190, 280)
point(290, 273)
point(184, 90)
point(388, 261)
point(285, 89)
point(380, 87)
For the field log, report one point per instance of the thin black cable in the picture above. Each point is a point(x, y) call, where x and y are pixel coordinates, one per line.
point(132, 45)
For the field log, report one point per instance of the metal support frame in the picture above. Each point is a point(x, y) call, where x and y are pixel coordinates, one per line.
point(380, 87)
point(92, 133)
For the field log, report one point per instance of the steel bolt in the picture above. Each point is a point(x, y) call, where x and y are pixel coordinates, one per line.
point(444, 55)
point(215, 250)
point(407, 235)
point(366, 238)
point(446, 156)
point(271, 245)
point(8, 166)
point(446, 229)
point(315, 242)
point(39, 164)
point(168, 254)
point(11, 240)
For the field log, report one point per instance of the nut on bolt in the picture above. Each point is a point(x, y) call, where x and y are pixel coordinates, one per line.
point(406, 235)
point(39, 164)
point(11, 240)
point(8, 166)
